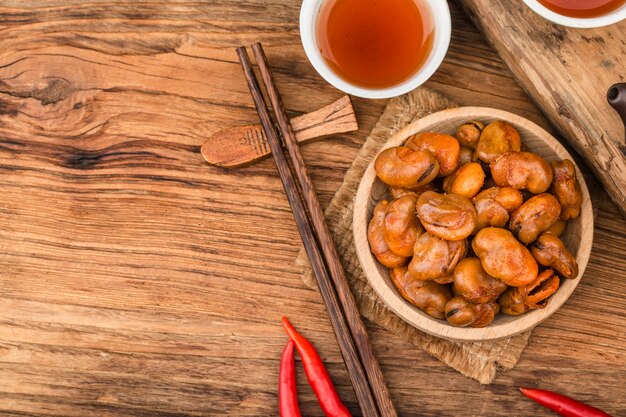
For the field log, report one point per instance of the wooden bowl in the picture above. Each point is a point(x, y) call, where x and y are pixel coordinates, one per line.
point(577, 238)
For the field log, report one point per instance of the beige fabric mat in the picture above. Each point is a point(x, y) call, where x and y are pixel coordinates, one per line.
point(478, 360)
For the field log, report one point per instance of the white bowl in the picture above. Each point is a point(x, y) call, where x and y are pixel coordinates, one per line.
point(578, 236)
point(577, 22)
point(440, 14)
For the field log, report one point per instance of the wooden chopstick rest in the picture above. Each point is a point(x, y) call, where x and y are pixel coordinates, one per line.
point(240, 146)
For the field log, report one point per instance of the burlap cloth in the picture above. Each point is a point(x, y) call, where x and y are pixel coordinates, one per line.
point(478, 360)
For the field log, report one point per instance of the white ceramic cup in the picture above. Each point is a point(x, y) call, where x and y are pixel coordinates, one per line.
point(440, 14)
point(578, 22)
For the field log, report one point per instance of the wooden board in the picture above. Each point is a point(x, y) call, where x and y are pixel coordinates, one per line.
point(567, 72)
point(135, 280)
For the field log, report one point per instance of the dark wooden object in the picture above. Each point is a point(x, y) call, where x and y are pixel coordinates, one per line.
point(325, 240)
point(616, 96)
point(311, 242)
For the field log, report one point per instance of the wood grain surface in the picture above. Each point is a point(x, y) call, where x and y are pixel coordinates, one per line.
point(138, 280)
point(568, 73)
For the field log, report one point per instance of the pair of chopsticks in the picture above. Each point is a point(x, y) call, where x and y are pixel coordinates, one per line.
point(363, 368)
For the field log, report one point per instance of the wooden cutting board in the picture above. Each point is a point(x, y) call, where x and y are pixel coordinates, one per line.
point(567, 72)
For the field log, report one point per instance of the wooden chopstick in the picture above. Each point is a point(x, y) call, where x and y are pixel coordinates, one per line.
point(329, 296)
point(337, 273)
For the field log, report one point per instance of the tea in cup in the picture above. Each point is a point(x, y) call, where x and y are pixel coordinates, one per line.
point(375, 48)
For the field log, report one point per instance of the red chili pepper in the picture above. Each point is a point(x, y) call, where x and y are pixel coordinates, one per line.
point(287, 389)
point(561, 404)
point(317, 375)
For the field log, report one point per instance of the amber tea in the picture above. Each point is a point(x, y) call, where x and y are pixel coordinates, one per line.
point(375, 43)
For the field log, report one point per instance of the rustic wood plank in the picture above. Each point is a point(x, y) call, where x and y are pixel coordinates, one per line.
point(137, 280)
point(568, 73)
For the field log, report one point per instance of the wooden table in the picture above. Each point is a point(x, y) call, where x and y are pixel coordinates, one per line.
point(137, 280)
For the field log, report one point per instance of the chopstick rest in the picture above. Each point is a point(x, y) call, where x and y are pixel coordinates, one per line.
point(243, 145)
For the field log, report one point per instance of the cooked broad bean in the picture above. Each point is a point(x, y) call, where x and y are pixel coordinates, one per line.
point(462, 313)
point(557, 228)
point(434, 257)
point(508, 197)
point(448, 216)
point(428, 296)
point(522, 170)
point(474, 284)
point(566, 188)
point(497, 138)
point(402, 226)
point(466, 155)
point(516, 301)
point(489, 213)
point(534, 216)
point(375, 236)
point(466, 180)
point(549, 251)
point(468, 134)
point(403, 167)
point(445, 148)
point(493, 206)
point(504, 257)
